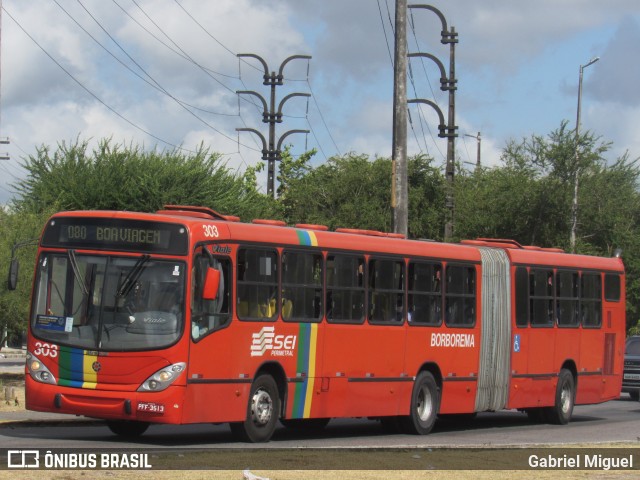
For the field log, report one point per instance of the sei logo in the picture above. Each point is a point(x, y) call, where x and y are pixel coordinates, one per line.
point(46, 350)
point(266, 339)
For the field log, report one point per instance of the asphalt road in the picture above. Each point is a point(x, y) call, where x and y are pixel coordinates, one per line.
point(615, 421)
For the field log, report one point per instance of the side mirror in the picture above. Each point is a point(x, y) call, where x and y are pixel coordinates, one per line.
point(12, 281)
point(211, 284)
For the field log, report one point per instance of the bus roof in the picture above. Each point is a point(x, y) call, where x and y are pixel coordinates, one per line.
point(273, 232)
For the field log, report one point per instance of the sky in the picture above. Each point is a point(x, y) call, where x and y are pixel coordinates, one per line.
point(164, 74)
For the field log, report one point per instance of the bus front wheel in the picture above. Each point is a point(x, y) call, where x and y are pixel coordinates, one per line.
point(262, 412)
point(425, 403)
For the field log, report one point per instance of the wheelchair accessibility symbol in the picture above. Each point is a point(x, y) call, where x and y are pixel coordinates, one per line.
point(516, 343)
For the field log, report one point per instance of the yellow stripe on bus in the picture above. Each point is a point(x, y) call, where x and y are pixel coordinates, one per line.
point(312, 368)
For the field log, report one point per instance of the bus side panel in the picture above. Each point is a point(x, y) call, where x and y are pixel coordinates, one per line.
point(217, 378)
point(213, 403)
point(367, 360)
point(590, 379)
point(455, 353)
point(568, 348)
point(539, 345)
point(600, 372)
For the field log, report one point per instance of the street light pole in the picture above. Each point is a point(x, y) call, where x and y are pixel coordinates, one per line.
point(574, 205)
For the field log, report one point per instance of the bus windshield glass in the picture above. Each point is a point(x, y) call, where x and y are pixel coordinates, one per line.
point(108, 303)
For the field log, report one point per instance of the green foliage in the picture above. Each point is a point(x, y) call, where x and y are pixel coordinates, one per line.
point(527, 198)
point(114, 177)
point(355, 192)
point(15, 228)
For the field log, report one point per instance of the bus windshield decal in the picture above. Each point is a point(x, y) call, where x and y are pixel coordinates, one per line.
point(54, 323)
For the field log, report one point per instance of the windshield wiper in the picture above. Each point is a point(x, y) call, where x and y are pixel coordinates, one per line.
point(132, 277)
point(76, 272)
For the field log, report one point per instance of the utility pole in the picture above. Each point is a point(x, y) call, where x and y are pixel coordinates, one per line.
point(3, 141)
point(574, 203)
point(271, 152)
point(399, 168)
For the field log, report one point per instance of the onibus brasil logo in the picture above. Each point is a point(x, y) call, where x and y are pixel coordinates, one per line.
point(279, 345)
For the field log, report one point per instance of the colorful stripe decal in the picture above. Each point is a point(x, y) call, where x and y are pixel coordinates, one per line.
point(75, 368)
point(303, 391)
point(307, 238)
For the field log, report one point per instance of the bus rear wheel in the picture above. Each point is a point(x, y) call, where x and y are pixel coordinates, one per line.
point(560, 413)
point(127, 428)
point(262, 412)
point(425, 403)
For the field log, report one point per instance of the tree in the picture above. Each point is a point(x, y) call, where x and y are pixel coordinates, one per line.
point(115, 177)
point(14, 305)
point(529, 198)
point(354, 191)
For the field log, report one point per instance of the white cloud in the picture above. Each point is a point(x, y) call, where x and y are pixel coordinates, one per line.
point(351, 74)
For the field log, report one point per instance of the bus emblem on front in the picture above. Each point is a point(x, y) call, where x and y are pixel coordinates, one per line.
point(96, 366)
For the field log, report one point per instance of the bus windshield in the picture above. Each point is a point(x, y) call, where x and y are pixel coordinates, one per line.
point(108, 303)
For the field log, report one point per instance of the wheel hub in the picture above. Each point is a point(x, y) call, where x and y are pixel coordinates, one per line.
point(261, 407)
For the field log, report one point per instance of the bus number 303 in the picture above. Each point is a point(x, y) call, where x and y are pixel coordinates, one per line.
point(210, 231)
point(46, 350)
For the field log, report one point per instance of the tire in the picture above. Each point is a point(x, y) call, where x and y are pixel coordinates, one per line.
point(305, 424)
point(635, 395)
point(263, 410)
point(560, 413)
point(127, 428)
point(425, 403)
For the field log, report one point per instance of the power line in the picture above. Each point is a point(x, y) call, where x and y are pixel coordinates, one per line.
point(151, 84)
point(183, 55)
point(153, 80)
point(81, 85)
point(324, 122)
point(384, 30)
point(211, 35)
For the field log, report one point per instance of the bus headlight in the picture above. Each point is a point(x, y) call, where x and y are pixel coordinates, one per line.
point(162, 378)
point(38, 371)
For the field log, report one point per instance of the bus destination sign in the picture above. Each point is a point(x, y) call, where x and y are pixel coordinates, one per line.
point(116, 234)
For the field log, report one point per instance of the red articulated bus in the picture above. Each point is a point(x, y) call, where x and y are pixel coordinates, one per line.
point(189, 316)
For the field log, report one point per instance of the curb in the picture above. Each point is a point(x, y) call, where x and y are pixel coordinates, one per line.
point(49, 422)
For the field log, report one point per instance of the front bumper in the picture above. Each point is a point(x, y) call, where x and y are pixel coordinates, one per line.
point(157, 407)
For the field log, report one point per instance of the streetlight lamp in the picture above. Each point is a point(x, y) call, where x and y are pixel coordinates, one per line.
point(574, 205)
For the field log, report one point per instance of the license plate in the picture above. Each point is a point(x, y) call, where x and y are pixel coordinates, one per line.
point(151, 407)
point(632, 376)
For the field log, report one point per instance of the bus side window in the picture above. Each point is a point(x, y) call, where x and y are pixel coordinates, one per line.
point(257, 295)
point(425, 293)
point(386, 291)
point(612, 287)
point(460, 296)
point(567, 299)
point(591, 300)
point(302, 286)
point(345, 289)
point(208, 316)
point(522, 297)
point(541, 306)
